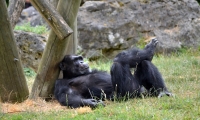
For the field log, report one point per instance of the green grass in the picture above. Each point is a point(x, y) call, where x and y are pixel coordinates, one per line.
point(28, 28)
point(181, 73)
point(29, 73)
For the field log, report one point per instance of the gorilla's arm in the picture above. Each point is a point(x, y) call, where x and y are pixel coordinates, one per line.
point(68, 96)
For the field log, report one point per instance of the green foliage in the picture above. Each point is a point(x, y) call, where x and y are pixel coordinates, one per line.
point(186, 51)
point(101, 64)
point(28, 28)
point(141, 43)
point(29, 72)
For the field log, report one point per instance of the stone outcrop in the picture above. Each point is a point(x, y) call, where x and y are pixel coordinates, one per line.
point(107, 27)
point(32, 16)
point(31, 47)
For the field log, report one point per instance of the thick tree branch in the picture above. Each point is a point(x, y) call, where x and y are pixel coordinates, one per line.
point(53, 18)
point(14, 10)
point(13, 86)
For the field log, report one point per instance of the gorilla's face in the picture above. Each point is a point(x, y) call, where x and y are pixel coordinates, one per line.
point(74, 65)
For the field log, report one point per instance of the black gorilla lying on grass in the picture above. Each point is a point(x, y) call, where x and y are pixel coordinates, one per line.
point(81, 86)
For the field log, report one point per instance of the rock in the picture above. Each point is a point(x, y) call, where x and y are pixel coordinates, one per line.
point(37, 20)
point(30, 47)
point(115, 25)
point(106, 27)
point(32, 16)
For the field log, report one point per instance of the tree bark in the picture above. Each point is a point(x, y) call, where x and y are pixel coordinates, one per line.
point(53, 18)
point(13, 86)
point(72, 45)
point(14, 10)
point(54, 52)
point(54, 2)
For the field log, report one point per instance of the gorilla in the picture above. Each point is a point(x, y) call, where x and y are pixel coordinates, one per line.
point(146, 74)
point(82, 86)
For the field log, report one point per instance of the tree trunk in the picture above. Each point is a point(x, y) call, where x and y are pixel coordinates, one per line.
point(54, 52)
point(14, 10)
point(53, 18)
point(13, 86)
point(72, 45)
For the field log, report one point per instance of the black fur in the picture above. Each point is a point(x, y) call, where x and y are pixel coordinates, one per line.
point(146, 74)
point(81, 86)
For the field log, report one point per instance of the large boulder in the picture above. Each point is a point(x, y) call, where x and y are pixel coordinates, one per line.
point(107, 27)
point(32, 16)
point(30, 47)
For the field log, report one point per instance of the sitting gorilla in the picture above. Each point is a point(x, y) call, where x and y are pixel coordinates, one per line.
point(81, 86)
